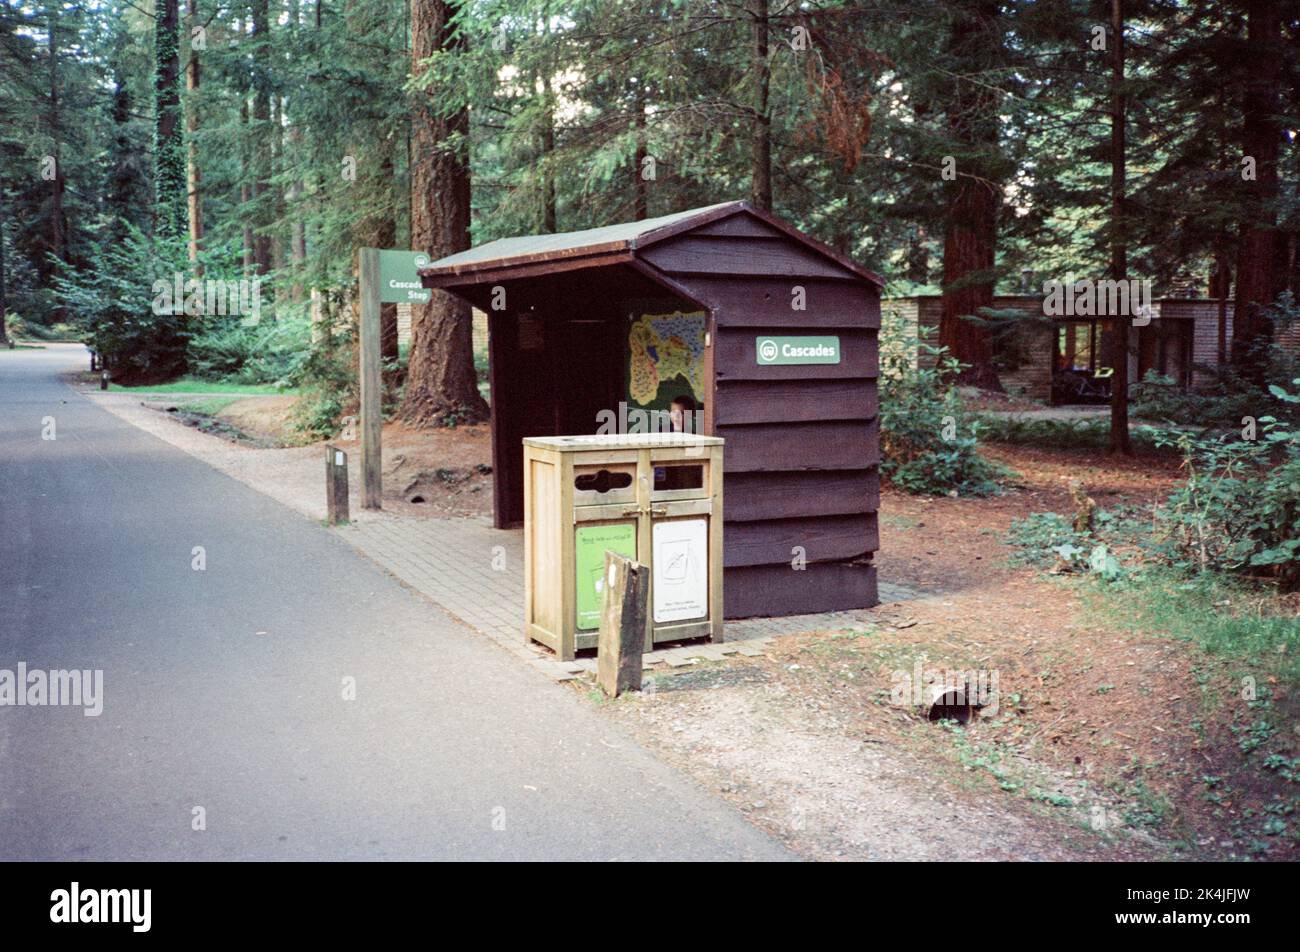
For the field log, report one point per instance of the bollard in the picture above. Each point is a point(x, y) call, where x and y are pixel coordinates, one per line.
point(336, 485)
point(103, 380)
point(622, 636)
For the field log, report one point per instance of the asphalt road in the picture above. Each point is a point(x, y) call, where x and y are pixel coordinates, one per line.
point(223, 689)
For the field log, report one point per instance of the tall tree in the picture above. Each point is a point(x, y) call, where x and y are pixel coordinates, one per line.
point(1261, 138)
point(1120, 323)
point(760, 192)
point(974, 196)
point(194, 198)
point(263, 206)
point(441, 382)
point(169, 156)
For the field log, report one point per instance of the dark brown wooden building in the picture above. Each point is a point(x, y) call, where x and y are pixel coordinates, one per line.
point(774, 335)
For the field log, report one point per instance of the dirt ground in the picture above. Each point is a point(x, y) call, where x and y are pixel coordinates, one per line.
point(1100, 748)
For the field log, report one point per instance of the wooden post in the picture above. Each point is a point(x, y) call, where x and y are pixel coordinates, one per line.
point(336, 485)
point(622, 625)
point(371, 383)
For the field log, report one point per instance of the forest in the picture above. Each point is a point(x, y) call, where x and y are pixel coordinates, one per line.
point(957, 147)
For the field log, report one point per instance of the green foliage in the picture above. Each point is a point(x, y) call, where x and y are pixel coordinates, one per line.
point(929, 440)
point(113, 301)
point(326, 376)
point(1238, 509)
point(269, 352)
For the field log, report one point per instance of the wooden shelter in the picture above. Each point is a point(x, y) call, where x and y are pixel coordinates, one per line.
point(594, 325)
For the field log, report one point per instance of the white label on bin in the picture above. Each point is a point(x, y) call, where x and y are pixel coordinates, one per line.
point(681, 575)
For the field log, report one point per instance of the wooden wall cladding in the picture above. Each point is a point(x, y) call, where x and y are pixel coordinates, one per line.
point(780, 590)
point(795, 401)
point(792, 447)
point(759, 496)
point(748, 257)
point(816, 539)
point(768, 302)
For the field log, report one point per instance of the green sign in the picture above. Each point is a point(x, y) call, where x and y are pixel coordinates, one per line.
point(589, 573)
point(797, 350)
point(399, 279)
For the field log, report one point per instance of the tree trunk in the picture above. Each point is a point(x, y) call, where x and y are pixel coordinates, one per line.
point(641, 194)
point(441, 382)
point(4, 286)
point(1257, 283)
point(192, 176)
point(169, 151)
point(1120, 443)
point(970, 227)
point(58, 224)
point(761, 132)
point(246, 190)
point(550, 218)
point(261, 130)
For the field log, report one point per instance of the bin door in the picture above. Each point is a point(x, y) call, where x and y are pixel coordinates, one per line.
point(591, 539)
point(679, 587)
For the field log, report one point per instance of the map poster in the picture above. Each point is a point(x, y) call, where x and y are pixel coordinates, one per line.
point(681, 570)
point(589, 571)
point(666, 360)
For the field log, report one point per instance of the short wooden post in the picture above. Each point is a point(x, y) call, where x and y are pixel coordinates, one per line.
point(372, 385)
point(103, 380)
point(622, 625)
point(336, 485)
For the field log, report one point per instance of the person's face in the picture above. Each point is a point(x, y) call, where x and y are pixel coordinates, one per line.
point(677, 414)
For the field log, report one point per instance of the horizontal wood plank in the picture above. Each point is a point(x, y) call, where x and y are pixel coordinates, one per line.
point(756, 401)
point(818, 539)
point(794, 447)
point(758, 496)
point(740, 226)
point(774, 590)
point(743, 256)
point(770, 302)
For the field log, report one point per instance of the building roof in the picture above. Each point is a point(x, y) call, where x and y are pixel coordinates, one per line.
point(611, 242)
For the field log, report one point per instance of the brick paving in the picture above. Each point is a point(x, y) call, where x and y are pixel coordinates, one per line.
point(476, 573)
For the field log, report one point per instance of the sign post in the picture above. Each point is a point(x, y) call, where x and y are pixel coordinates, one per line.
point(372, 422)
point(387, 277)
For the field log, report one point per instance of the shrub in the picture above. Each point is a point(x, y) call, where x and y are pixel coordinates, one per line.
point(325, 371)
point(929, 439)
point(266, 353)
point(113, 300)
point(1239, 508)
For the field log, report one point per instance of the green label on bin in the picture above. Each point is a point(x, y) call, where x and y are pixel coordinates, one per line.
point(589, 575)
point(797, 350)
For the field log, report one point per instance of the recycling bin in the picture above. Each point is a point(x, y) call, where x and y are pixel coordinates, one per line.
point(652, 497)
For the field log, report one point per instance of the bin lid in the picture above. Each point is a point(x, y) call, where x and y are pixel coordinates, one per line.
point(620, 441)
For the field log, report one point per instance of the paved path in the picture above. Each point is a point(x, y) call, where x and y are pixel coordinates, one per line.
point(223, 688)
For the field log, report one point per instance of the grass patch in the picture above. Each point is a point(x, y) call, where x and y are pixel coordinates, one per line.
point(1221, 616)
point(209, 407)
point(196, 385)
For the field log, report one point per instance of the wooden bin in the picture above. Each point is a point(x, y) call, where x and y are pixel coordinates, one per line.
point(644, 495)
